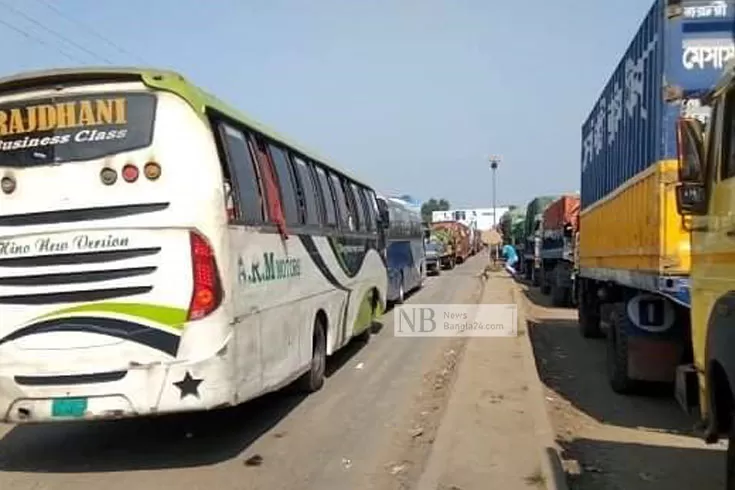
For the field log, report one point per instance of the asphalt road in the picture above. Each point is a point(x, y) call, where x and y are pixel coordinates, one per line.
point(370, 427)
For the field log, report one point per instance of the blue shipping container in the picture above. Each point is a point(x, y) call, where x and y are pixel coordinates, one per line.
point(680, 47)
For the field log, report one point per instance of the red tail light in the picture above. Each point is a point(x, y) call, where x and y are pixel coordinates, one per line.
point(206, 293)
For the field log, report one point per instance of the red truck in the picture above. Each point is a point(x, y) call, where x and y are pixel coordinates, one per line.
point(558, 229)
point(459, 238)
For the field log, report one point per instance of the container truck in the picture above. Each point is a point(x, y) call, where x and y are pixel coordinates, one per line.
point(532, 237)
point(559, 225)
point(704, 198)
point(634, 245)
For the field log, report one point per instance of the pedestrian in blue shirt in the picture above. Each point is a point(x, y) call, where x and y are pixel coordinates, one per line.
point(511, 258)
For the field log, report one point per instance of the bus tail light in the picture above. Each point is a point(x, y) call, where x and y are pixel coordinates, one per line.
point(152, 170)
point(130, 173)
point(206, 293)
point(108, 176)
point(8, 185)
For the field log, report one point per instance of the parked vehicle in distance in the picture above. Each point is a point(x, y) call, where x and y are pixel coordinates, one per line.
point(559, 225)
point(457, 237)
point(437, 256)
point(405, 253)
point(197, 261)
point(532, 231)
point(447, 259)
point(511, 227)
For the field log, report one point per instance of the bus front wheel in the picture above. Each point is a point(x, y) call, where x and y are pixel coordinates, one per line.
point(313, 379)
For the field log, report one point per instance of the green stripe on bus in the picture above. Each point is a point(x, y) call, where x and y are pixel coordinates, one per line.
point(364, 317)
point(165, 315)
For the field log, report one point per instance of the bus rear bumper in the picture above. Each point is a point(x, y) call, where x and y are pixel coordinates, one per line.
point(140, 390)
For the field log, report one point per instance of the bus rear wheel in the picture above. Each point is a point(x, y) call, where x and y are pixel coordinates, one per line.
point(313, 379)
point(730, 455)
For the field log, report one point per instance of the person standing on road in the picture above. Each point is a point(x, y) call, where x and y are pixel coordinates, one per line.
point(511, 258)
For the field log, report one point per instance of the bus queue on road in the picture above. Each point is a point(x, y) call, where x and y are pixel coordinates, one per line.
point(162, 252)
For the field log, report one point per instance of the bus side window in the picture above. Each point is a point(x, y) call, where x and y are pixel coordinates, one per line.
point(360, 207)
point(269, 184)
point(246, 186)
point(370, 217)
point(328, 198)
point(351, 204)
point(346, 218)
point(286, 183)
point(372, 201)
point(310, 191)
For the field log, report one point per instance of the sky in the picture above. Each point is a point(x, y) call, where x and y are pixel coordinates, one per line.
point(410, 96)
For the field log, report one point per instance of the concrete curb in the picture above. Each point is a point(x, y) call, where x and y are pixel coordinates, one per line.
point(551, 466)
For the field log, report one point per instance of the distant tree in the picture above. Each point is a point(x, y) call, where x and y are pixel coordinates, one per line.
point(433, 205)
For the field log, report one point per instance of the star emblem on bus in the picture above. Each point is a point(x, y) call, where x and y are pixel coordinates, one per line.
point(189, 386)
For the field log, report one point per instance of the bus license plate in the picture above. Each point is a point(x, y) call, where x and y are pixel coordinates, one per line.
point(69, 407)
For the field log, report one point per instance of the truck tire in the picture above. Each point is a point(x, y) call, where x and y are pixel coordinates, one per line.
point(588, 312)
point(617, 351)
point(558, 295)
point(545, 286)
point(589, 320)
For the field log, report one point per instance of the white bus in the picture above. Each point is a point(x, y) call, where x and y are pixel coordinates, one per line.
point(160, 252)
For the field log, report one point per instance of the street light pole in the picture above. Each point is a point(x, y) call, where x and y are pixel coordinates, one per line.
point(494, 161)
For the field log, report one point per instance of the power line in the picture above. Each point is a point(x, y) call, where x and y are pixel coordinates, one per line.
point(48, 29)
point(39, 40)
point(89, 29)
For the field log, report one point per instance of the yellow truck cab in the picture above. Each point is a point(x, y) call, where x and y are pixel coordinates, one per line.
point(706, 201)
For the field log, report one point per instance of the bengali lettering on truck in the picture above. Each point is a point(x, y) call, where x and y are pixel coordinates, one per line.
point(718, 8)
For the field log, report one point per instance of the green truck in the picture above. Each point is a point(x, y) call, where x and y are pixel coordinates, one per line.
point(511, 226)
point(532, 236)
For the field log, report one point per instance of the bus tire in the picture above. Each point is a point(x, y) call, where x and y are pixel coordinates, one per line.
point(401, 293)
point(730, 457)
point(313, 379)
point(617, 351)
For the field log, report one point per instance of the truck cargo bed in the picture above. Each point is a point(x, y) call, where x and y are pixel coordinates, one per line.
point(637, 227)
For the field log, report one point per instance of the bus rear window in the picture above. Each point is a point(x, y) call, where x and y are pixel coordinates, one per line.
point(74, 128)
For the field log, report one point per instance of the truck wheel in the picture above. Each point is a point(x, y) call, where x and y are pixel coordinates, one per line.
point(588, 315)
point(617, 351)
point(558, 295)
point(545, 286)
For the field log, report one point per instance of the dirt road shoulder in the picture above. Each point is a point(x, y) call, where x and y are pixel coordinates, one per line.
point(495, 419)
point(610, 441)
